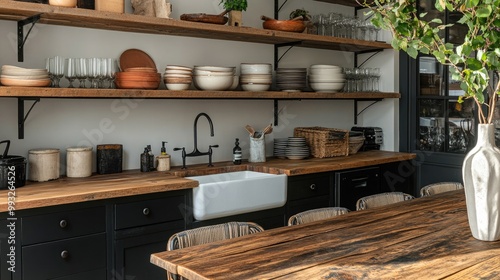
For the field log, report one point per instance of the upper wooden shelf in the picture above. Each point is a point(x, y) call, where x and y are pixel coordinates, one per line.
point(349, 3)
point(14, 10)
point(184, 94)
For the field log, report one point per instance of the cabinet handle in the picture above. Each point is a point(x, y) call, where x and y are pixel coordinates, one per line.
point(146, 211)
point(312, 187)
point(64, 254)
point(63, 223)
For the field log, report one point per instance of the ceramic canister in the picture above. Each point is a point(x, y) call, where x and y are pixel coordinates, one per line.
point(79, 162)
point(43, 164)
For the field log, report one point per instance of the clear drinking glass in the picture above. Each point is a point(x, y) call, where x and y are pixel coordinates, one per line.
point(70, 71)
point(375, 76)
point(58, 69)
point(49, 65)
point(81, 71)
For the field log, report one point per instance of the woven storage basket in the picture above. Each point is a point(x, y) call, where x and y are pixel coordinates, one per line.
point(325, 142)
point(355, 143)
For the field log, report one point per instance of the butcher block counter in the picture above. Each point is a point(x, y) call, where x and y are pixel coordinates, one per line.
point(130, 183)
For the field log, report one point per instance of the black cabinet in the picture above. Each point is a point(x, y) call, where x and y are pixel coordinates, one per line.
point(352, 185)
point(308, 192)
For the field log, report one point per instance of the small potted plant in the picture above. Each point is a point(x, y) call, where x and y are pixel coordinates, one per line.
point(235, 8)
point(306, 17)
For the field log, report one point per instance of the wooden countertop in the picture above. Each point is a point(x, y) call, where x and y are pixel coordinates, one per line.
point(425, 238)
point(74, 190)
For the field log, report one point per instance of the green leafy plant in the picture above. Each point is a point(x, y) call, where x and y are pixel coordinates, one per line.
point(300, 12)
point(474, 62)
point(234, 5)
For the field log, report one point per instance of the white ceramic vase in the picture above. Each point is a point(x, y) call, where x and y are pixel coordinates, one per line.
point(481, 174)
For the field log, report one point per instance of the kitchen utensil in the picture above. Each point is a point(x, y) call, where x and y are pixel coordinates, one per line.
point(250, 130)
point(43, 164)
point(268, 129)
point(12, 169)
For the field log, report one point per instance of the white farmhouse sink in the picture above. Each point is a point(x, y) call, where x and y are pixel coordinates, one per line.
point(232, 193)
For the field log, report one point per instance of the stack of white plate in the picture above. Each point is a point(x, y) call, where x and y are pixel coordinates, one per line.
point(256, 76)
point(297, 148)
point(280, 146)
point(23, 77)
point(326, 78)
point(215, 78)
point(178, 77)
point(291, 79)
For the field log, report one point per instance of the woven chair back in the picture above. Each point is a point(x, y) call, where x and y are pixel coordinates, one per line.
point(381, 199)
point(316, 215)
point(440, 188)
point(208, 234)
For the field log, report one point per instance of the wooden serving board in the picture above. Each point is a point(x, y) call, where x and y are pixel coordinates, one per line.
point(213, 19)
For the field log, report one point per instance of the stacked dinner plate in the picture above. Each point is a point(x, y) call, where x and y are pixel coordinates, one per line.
point(178, 77)
point(297, 148)
point(279, 149)
point(256, 76)
point(291, 79)
point(326, 78)
point(23, 77)
point(138, 78)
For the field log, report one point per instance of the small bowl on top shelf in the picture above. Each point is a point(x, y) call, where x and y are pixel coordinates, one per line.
point(63, 3)
point(296, 25)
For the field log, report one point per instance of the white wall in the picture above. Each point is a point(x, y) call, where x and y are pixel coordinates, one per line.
point(61, 123)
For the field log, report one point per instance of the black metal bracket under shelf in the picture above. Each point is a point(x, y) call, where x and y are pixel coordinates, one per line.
point(21, 118)
point(21, 39)
point(356, 114)
point(277, 57)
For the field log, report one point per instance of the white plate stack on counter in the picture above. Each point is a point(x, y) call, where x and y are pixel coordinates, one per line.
point(326, 78)
point(23, 77)
point(256, 76)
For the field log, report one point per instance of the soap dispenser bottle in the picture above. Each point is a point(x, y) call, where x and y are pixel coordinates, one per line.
point(151, 159)
point(145, 160)
point(163, 160)
point(237, 152)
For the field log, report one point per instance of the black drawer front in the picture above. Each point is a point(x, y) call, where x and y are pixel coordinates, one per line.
point(99, 274)
point(65, 257)
point(354, 184)
point(61, 225)
point(149, 212)
point(306, 186)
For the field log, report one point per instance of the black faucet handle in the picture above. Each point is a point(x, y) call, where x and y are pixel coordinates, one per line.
point(178, 149)
point(213, 146)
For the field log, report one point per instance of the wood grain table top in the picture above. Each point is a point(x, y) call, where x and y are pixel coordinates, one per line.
point(425, 238)
point(73, 190)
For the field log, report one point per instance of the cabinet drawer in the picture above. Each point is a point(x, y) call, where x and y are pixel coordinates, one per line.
point(354, 184)
point(61, 225)
point(149, 212)
point(65, 257)
point(307, 186)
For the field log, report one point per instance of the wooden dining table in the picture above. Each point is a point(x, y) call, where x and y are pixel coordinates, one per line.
point(423, 238)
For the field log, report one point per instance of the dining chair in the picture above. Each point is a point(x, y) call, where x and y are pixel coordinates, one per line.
point(441, 187)
point(381, 199)
point(208, 234)
point(316, 215)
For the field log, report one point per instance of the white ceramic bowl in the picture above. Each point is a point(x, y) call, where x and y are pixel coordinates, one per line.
point(212, 82)
point(325, 71)
point(212, 73)
point(185, 72)
point(177, 86)
point(63, 3)
point(256, 68)
point(215, 68)
point(329, 76)
point(325, 80)
point(326, 87)
point(236, 81)
point(178, 67)
point(255, 87)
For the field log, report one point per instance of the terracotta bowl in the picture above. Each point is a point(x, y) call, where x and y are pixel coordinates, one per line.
point(297, 26)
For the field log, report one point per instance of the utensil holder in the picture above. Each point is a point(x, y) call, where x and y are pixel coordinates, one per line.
point(257, 149)
point(43, 164)
point(78, 162)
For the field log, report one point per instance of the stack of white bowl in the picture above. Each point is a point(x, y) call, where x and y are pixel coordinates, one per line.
point(326, 78)
point(17, 76)
point(256, 76)
point(178, 77)
point(215, 78)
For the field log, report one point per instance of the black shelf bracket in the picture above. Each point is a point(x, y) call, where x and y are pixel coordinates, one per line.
point(375, 51)
point(277, 8)
point(356, 114)
point(276, 112)
point(277, 57)
point(21, 118)
point(21, 39)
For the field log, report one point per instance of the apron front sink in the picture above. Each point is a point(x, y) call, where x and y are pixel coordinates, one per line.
point(227, 194)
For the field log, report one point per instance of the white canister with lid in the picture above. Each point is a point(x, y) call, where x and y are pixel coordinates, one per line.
point(43, 164)
point(79, 162)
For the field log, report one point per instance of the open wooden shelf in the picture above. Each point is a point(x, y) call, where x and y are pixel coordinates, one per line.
point(349, 3)
point(14, 10)
point(184, 94)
